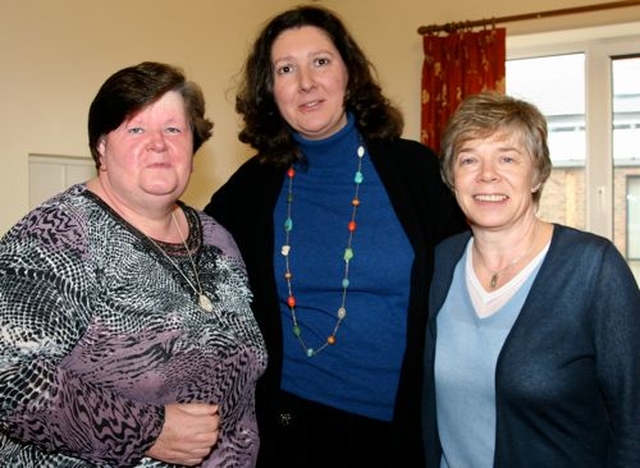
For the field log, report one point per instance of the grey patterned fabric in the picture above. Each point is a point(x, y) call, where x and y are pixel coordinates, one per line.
point(99, 331)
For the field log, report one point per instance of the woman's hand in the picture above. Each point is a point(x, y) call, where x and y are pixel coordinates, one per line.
point(189, 433)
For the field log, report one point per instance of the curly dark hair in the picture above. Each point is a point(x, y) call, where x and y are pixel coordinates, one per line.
point(264, 127)
point(131, 89)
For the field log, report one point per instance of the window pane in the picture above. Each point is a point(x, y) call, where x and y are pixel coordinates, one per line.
point(556, 85)
point(633, 202)
point(626, 158)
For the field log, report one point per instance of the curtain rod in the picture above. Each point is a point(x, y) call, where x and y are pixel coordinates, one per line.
point(451, 27)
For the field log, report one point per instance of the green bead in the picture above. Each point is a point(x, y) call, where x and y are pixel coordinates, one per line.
point(296, 331)
point(288, 224)
point(345, 283)
point(359, 177)
point(348, 254)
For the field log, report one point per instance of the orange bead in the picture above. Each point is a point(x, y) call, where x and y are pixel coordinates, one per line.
point(355, 202)
point(351, 226)
point(331, 340)
point(291, 172)
point(291, 301)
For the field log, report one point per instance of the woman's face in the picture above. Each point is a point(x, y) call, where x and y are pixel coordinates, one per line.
point(494, 181)
point(309, 82)
point(148, 158)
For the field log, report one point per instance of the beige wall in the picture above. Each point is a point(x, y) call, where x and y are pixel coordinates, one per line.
point(56, 53)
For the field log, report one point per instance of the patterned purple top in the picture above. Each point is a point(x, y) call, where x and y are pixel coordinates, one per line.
point(99, 331)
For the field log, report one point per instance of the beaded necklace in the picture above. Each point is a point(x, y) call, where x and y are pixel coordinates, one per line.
point(347, 257)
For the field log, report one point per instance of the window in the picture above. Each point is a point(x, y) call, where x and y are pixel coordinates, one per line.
point(633, 214)
point(589, 90)
point(560, 96)
point(625, 74)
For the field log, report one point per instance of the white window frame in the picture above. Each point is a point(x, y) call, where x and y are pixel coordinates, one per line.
point(633, 238)
point(599, 45)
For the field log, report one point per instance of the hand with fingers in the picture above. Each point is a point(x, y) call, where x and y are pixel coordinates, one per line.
point(189, 434)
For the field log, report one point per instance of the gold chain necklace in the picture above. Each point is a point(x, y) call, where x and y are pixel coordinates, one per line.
point(203, 301)
point(495, 274)
point(347, 256)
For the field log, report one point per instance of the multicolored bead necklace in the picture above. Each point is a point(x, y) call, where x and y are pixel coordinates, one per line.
point(348, 255)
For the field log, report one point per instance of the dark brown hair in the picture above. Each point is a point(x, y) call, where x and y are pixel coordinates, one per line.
point(266, 130)
point(131, 89)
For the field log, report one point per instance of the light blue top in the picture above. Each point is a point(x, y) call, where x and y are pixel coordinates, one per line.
point(467, 351)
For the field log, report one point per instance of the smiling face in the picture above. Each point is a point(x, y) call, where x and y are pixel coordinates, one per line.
point(309, 82)
point(494, 180)
point(147, 160)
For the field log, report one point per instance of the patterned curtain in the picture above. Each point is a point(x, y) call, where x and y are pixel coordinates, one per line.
point(456, 65)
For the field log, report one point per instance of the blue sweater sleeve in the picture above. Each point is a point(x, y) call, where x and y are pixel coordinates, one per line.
point(616, 326)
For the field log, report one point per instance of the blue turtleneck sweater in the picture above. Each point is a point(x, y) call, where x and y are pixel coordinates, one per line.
point(358, 374)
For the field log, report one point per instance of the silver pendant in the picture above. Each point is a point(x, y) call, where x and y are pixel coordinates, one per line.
point(205, 303)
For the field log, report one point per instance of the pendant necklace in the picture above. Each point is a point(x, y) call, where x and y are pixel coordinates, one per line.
point(203, 301)
point(495, 274)
point(347, 256)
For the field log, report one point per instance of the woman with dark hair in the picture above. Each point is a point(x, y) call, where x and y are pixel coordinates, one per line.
point(336, 218)
point(128, 338)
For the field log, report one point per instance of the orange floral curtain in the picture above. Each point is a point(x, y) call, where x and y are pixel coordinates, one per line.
point(456, 65)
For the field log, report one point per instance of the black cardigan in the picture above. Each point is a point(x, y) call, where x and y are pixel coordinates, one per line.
point(427, 212)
